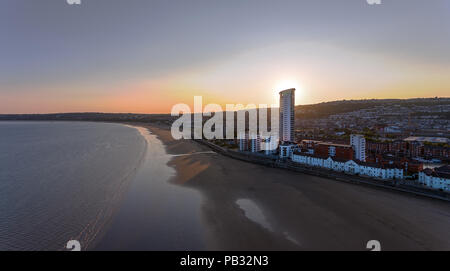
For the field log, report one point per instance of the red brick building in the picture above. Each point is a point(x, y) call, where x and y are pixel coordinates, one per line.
point(340, 151)
point(430, 151)
point(409, 165)
point(309, 144)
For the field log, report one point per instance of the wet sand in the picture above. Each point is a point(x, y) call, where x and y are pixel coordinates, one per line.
point(293, 211)
point(154, 213)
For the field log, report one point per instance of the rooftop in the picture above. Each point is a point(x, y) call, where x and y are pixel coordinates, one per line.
point(427, 139)
point(287, 143)
point(311, 141)
point(440, 172)
point(335, 144)
point(287, 91)
point(343, 160)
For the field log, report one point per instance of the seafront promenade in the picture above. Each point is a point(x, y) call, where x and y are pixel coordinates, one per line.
point(404, 186)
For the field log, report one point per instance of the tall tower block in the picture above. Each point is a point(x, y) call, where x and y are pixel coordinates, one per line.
point(287, 115)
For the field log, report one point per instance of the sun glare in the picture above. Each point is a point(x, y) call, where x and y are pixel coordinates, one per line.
point(287, 84)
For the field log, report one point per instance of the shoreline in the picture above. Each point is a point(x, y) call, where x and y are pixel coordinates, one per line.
point(155, 212)
point(244, 206)
point(391, 185)
point(304, 212)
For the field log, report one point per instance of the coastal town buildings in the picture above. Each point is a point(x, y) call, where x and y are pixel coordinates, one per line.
point(309, 145)
point(437, 178)
point(423, 139)
point(388, 119)
point(287, 115)
point(341, 151)
point(349, 166)
point(423, 148)
point(356, 153)
point(252, 143)
point(410, 166)
point(358, 143)
point(436, 152)
point(287, 148)
point(428, 147)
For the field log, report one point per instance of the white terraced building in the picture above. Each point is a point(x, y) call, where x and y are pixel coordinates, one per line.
point(350, 166)
point(287, 149)
point(438, 178)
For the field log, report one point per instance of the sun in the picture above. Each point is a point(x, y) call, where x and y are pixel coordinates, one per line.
point(287, 84)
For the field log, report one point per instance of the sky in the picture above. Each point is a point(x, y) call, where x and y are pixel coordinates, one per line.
point(145, 56)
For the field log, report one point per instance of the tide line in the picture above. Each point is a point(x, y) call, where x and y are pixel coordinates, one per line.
point(187, 154)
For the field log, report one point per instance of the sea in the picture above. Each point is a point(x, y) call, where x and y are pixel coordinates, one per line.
point(105, 186)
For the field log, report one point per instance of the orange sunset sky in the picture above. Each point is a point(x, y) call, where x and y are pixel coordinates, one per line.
point(146, 56)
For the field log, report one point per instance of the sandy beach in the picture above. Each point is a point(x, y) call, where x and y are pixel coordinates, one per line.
point(293, 211)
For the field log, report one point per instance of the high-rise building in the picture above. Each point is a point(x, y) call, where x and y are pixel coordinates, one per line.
point(358, 143)
point(287, 115)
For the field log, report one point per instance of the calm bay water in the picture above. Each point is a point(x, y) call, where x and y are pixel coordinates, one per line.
point(156, 215)
point(92, 182)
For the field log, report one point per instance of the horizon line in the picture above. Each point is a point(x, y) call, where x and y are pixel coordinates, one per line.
point(169, 113)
